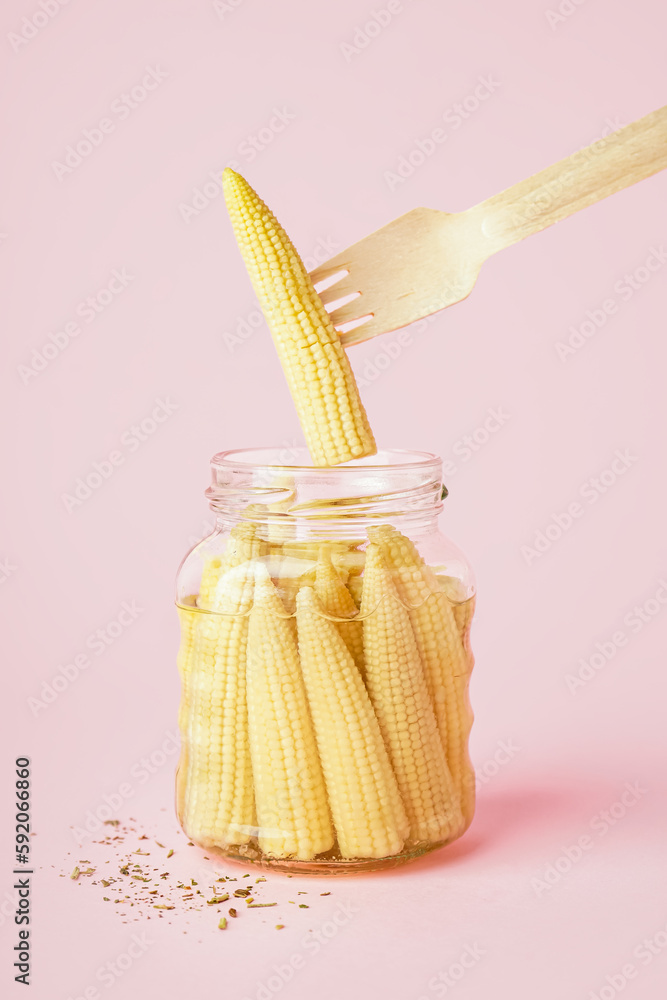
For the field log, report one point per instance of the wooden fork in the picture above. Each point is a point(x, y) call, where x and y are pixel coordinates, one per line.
point(427, 259)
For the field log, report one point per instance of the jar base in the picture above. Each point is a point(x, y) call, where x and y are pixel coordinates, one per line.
point(326, 866)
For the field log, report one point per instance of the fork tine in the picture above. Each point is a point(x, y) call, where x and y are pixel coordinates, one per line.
point(346, 286)
point(370, 324)
point(371, 327)
point(350, 311)
point(329, 268)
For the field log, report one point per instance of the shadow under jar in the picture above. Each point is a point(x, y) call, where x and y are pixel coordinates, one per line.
point(324, 664)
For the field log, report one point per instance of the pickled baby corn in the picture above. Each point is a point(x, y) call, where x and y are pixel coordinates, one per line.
point(218, 808)
point(397, 687)
point(442, 652)
point(318, 372)
point(291, 799)
point(368, 814)
point(336, 600)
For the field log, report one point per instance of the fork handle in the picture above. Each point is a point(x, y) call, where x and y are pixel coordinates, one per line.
point(622, 158)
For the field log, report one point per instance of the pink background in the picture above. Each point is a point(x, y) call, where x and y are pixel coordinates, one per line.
point(218, 75)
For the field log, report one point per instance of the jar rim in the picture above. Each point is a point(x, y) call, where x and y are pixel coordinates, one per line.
point(381, 462)
point(393, 483)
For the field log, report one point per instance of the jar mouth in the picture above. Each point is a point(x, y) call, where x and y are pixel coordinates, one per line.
point(280, 486)
point(298, 460)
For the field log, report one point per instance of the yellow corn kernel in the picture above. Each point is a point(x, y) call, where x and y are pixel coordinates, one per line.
point(366, 806)
point(317, 369)
point(397, 687)
point(218, 803)
point(292, 808)
point(336, 601)
point(446, 663)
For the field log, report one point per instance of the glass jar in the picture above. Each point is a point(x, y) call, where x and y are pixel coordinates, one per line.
point(324, 662)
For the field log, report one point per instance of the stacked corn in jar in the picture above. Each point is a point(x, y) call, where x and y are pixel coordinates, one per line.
point(325, 709)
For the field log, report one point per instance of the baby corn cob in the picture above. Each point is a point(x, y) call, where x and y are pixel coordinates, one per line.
point(318, 372)
point(336, 600)
point(445, 660)
point(219, 804)
point(292, 808)
point(367, 811)
point(218, 807)
point(396, 684)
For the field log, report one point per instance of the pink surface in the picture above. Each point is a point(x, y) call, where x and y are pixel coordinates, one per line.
point(141, 215)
